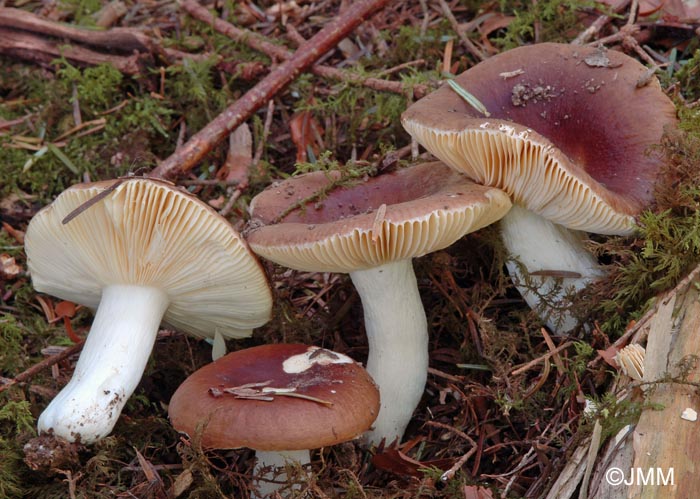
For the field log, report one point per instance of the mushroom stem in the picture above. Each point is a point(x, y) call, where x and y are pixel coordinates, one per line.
point(537, 245)
point(270, 471)
point(110, 365)
point(397, 332)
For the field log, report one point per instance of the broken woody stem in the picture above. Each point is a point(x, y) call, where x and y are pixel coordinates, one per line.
point(203, 141)
point(274, 51)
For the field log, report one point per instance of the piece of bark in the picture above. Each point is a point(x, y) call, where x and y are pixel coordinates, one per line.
point(28, 46)
point(661, 440)
point(124, 40)
point(109, 14)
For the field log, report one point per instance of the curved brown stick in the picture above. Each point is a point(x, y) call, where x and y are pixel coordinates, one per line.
point(203, 141)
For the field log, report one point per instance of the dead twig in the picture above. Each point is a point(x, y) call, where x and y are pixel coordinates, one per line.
point(262, 44)
point(36, 368)
point(598, 24)
point(203, 141)
point(470, 46)
point(35, 48)
point(534, 362)
point(450, 473)
point(19, 28)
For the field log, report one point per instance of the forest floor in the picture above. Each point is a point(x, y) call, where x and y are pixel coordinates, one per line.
point(503, 410)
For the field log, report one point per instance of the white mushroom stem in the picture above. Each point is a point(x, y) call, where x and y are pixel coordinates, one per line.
point(537, 245)
point(397, 333)
point(110, 366)
point(269, 470)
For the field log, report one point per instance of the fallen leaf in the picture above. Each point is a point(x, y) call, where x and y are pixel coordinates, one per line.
point(306, 133)
point(8, 267)
point(239, 157)
point(65, 309)
point(395, 461)
point(608, 355)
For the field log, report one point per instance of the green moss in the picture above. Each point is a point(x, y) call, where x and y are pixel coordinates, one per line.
point(689, 75)
point(191, 85)
point(408, 44)
point(554, 20)
point(97, 88)
point(667, 246)
point(11, 470)
point(11, 336)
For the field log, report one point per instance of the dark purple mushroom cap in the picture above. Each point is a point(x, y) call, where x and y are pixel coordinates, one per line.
point(404, 214)
point(347, 400)
point(568, 136)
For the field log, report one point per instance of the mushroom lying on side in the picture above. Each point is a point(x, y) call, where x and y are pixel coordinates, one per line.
point(372, 230)
point(281, 400)
point(148, 252)
point(568, 137)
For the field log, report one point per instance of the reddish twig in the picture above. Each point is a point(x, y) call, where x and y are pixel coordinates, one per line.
point(121, 39)
point(203, 141)
point(35, 48)
point(36, 368)
point(28, 36)
point(262, 44)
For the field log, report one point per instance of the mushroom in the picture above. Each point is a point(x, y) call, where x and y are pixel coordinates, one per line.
point(145, 253)
point(568, 135)
point(372, 230)
point(280, 400)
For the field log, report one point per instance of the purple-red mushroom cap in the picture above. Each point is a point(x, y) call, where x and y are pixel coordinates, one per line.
point(401, 215)
point(569, 133)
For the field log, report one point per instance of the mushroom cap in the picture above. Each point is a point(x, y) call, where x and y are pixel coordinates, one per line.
point(285, 422)
point(404, 214)
point(150, 233)
point(568, 136)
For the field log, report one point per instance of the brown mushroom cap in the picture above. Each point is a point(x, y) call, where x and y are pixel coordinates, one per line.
point(403, 214)
point(284, 423)
point(150, 233)
point(568, 136)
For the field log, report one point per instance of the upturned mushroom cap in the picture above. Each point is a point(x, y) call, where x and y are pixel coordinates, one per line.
point(404, 214)
point(568, 136)
point(346, 399)
point(150, 233)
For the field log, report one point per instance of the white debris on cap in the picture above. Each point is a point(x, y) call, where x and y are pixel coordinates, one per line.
point(314, 355)
point(689, 414)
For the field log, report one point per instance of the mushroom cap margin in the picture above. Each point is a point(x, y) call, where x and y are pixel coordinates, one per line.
point(150, 233)
point(427, 208)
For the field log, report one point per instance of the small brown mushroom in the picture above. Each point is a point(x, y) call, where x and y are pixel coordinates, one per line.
point(280, 399)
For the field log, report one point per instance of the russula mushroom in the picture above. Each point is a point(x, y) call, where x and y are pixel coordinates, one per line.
point(372, 230)
point(280, 400)
point(568, 137)
point(147, 253)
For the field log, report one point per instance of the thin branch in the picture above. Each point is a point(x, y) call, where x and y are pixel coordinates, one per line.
point(36, 368)
point(262, 44)
point(203, 141)
point(471, 47)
